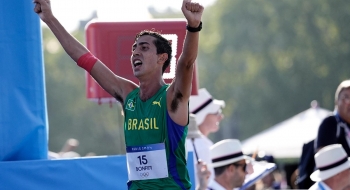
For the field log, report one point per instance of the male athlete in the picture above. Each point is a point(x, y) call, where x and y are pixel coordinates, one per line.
point(156, 114)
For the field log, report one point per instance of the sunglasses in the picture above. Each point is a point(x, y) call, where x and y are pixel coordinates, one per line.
point(244, 166)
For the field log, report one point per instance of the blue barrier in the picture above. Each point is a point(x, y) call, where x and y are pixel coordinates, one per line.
point(93, 173)
point(23, 113)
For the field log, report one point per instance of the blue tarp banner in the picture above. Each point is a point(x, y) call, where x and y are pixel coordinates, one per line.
point(95, 173)
point(23, 113)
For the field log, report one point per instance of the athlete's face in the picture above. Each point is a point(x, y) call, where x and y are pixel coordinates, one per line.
point(343, 104)
point(144, 56)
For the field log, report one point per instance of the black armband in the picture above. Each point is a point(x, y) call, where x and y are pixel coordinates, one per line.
point(190, 29)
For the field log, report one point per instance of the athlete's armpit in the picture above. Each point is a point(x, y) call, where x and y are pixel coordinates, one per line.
point(175, 102)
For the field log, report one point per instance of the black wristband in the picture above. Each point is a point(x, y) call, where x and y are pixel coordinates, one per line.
point(190, 29)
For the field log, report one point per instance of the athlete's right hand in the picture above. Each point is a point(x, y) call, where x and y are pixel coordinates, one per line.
point(43, 9)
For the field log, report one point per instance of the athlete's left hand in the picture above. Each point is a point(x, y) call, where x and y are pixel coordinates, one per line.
point(192, 12)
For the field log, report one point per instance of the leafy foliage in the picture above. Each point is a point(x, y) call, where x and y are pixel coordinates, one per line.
point(270, 59)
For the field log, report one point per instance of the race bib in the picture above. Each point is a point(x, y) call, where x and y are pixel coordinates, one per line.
point(146, 162)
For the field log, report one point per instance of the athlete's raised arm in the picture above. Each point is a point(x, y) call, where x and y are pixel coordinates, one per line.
point(117, 86)
point(180, 90)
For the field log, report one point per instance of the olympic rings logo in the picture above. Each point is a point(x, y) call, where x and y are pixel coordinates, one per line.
point(144, 174)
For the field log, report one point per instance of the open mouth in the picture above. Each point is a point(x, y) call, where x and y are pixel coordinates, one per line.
point(137, 63)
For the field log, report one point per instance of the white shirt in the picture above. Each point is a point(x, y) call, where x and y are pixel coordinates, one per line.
point(202, 145)
point(320, 186)
point(213, 185)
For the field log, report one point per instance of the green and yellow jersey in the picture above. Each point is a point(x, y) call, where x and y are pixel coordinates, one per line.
point(149, 123)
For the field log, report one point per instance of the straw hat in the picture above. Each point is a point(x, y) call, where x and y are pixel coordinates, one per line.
point(330, 160)
point(227, 152)
point(203, 104)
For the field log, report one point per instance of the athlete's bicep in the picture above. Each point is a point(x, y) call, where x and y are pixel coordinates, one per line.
point(177, 106)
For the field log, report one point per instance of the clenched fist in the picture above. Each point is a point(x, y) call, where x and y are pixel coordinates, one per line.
point(43, 9)
point(192, 12)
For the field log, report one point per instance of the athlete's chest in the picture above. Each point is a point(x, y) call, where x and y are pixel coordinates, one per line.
point(135, 107)
point(145, 116)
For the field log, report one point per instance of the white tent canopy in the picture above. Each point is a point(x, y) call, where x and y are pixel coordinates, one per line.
point(286, 139)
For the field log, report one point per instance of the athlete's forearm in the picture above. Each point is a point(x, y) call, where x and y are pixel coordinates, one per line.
point(71, 45)
point(193, 14)
point(190, 48)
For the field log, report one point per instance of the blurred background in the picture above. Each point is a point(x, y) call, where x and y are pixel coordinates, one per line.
point(268, 60)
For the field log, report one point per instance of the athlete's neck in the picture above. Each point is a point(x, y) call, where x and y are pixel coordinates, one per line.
point(149, 89)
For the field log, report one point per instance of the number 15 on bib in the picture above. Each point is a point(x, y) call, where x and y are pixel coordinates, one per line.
point(146, 162)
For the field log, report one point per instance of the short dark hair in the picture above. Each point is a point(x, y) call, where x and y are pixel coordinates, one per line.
point(163, 45)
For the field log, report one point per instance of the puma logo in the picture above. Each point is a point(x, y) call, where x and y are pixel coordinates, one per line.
point(157, 103)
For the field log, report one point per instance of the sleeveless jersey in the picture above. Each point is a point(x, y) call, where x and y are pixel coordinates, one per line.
point(149, 123)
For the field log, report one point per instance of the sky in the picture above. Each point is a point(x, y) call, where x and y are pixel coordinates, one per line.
point(70, 12)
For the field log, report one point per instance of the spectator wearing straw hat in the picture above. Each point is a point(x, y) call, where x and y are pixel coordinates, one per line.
point(229, 165)
point(207, 112)
point(333, 167)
